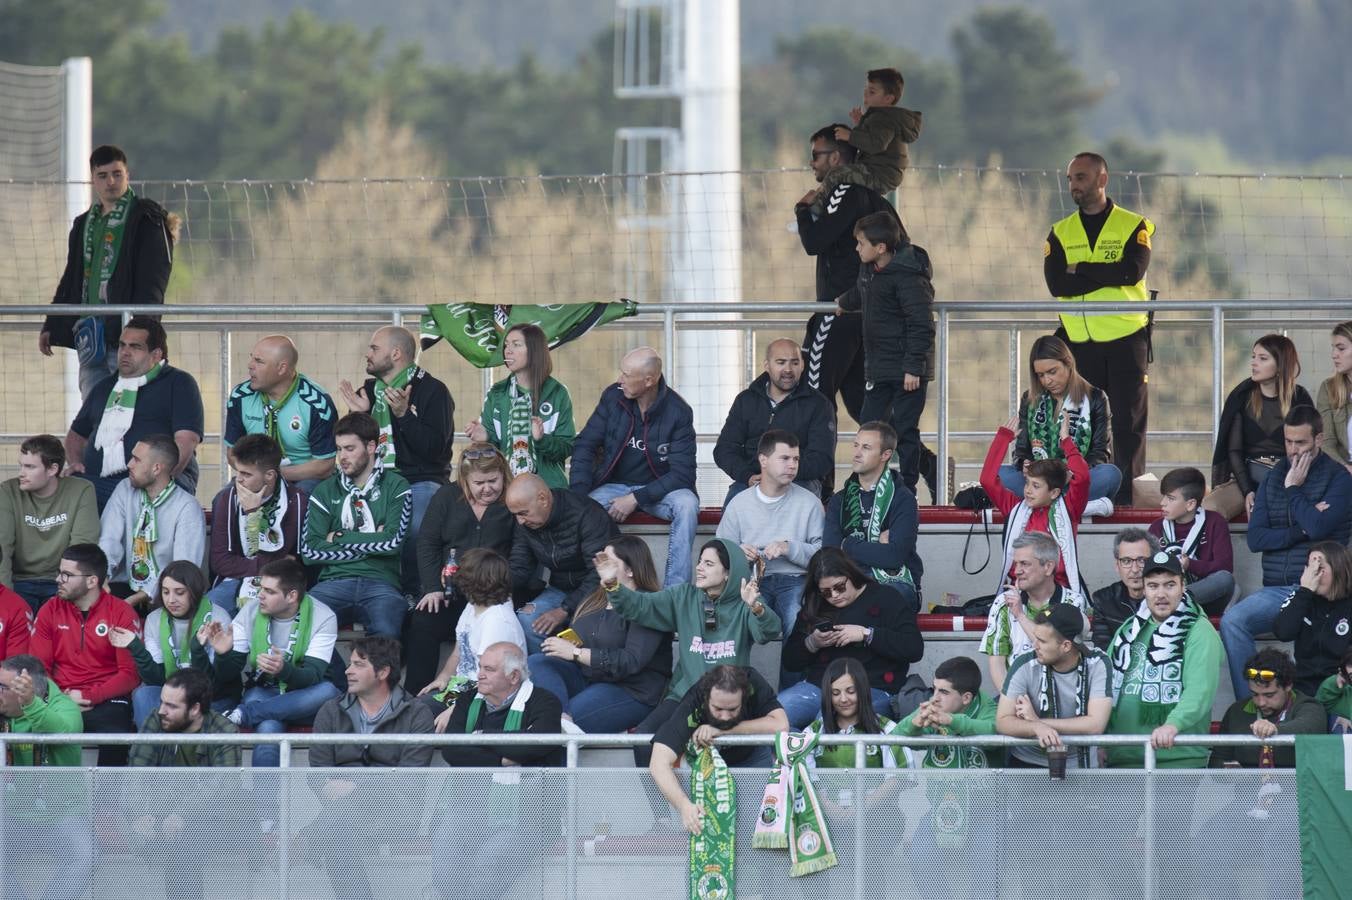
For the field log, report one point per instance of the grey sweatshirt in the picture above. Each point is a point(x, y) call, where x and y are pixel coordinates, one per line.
point(796, 517)
point(182, 529)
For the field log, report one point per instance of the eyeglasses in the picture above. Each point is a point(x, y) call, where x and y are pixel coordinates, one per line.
point(480, 454)
point(67, 576)
point(836, 590)
point(817, 154)
point(1132, 562)
point(1262, 676)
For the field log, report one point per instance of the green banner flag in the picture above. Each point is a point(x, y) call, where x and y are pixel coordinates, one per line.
point(476, 330)
point(1324, 795)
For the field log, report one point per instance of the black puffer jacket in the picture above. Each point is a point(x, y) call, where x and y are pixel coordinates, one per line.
point(1320, 630)
point(898, 319)
point(1100, 439)
point(578, 528)
point(805, 412)
point(140, 277)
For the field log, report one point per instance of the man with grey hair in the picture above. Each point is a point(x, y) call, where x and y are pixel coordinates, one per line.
point(1009, 626)
point(1132, 549)
point(416, 416)
point(506, 701)
point(277, 400)
point(637, 451)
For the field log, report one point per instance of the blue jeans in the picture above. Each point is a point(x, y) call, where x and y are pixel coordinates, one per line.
point(267, 711)
point(372, 602)
point(36, 591)
point(783, 593)
point(1242, 623)
point(548, 599)
point(681, 509)
point(421, 492)
point(597, 707)
point(226, 594)
point(802, 703)
point(1104, 480)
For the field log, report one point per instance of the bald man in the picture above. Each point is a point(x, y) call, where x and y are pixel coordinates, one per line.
point(415, 413)
point(779, 398)
point(637, 451)
point(288, 407)
point(561, 531)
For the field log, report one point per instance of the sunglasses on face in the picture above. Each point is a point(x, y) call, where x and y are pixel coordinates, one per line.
point(1262, 676)
point(836, 590)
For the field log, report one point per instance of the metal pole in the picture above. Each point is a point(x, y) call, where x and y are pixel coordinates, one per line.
point(77, 143)
point(1217, 365)
point(942, 466)
point(669, 346)
point(1013, 370)
point(224, 347)
point(1148, 855)
point(570, 820)
point(749, 352)
point(860, 760)
point(284, 821)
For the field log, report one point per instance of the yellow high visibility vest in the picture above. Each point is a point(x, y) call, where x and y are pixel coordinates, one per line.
point(1111, 242)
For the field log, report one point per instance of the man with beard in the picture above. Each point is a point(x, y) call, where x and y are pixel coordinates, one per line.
point(780, 398)
point(415, 414)
point(355, 529)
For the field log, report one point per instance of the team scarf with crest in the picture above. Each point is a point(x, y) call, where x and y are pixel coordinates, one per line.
point(176, 657)
point(380, 411)
point(790, 815)
point(1161, 672)
point(144, 570)
point(520, 458)
point(118, 413)
point(102, 247)
point(1044, 426)
point(1188, 545)
point(1049, 703)
point(872, 530)
point(356, 512)
point(713, 850)
point(262, 528)
point(1062, 530)
point(297, 642)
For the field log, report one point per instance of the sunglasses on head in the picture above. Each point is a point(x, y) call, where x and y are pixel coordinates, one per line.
point(710, 616)
point(1262, 676)
point(480, 454)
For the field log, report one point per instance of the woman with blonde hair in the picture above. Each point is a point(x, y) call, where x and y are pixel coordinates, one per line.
point(465, 514)
point(1250, 440)
point(1334, 399)
point(1056, 390)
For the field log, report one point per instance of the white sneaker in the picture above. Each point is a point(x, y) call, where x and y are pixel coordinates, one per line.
point(1099, 508)
point(235, 716)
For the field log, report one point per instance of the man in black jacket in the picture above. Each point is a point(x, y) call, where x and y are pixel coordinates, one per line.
point(833, 348)
point(1132, 549)
point(416, 415)
point(780, 398)
point(119, 252)
point(561, 531)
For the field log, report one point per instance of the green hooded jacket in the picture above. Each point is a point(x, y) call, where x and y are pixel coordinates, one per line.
point(54, 787)
point(681, 609)
point(554, 447)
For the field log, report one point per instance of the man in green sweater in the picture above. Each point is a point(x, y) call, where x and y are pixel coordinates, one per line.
point(355, 528)
point(45, 806)
point(1166, 664)
point(41, 514)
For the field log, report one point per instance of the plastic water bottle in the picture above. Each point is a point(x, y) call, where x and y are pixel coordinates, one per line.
point(449, 569)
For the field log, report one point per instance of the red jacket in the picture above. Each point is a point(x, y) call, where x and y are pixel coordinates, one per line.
point(16, 624)
point(1076, 493)
point(75, 649)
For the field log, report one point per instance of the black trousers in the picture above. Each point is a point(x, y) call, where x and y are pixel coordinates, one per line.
point(890, 402)
point(833, 359)
point(424, 633)
point(1119, 369)
point(111, 717)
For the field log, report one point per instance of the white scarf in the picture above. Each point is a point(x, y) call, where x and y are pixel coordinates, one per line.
point(366, 522)
point(1062, 531)
point(1188, 546)
point(114, 425)
point(270, 536)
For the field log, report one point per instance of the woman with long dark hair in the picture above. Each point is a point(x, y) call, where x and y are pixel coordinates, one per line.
point(1316, 617)
point(847, 708)
point(467, 513)
point(609, 672)
point(845, 614)
point(528, 415)
point(1056, 390)
point(1250, 439)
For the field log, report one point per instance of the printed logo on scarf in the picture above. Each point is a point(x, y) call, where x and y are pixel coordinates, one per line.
point(713, 886)
point(809, 842)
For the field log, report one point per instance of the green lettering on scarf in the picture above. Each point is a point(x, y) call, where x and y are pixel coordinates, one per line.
point(872, 530)
point(296, 643)
point(144, 569)
point(380, 411)
point(712, 851)
point(102, 245)
point(790, 814)
point(1044, 426)
point(176, 658)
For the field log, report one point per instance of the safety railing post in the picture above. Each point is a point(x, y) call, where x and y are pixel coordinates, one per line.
point(858, 805)
point(284, 820)
point(941, 476)
point(1014, 360)
point(669, 345)
point(570, 841)
point(224, 348)
point(1148, 854)
point(1217, 365)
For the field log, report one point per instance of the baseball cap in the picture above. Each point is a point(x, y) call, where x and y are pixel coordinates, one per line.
point(1064, 618)
point(1164, 561)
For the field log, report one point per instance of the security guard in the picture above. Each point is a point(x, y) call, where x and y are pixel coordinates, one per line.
point(1101, 252)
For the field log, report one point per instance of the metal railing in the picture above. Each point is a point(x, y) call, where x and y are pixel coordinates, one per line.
point(559, 848)
point(950, 315)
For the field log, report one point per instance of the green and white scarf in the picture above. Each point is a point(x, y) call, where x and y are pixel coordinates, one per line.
point(841, 756)
point(790, 815)
point(272, 411)
point(144, 570)
point(1062, 530)
point(520, 455)
point(102, 245)
point(1188, 545)
point(504, 794)
point(176, 657)
point(297, 642)
point(1049, 703)
point(1044, 426)
point(872, 530)
point(356, 513)
point(515, 712)
point(1160, 671)
point(380, 411)
point(118, 413)
point(262, 528)
point(713, 850)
